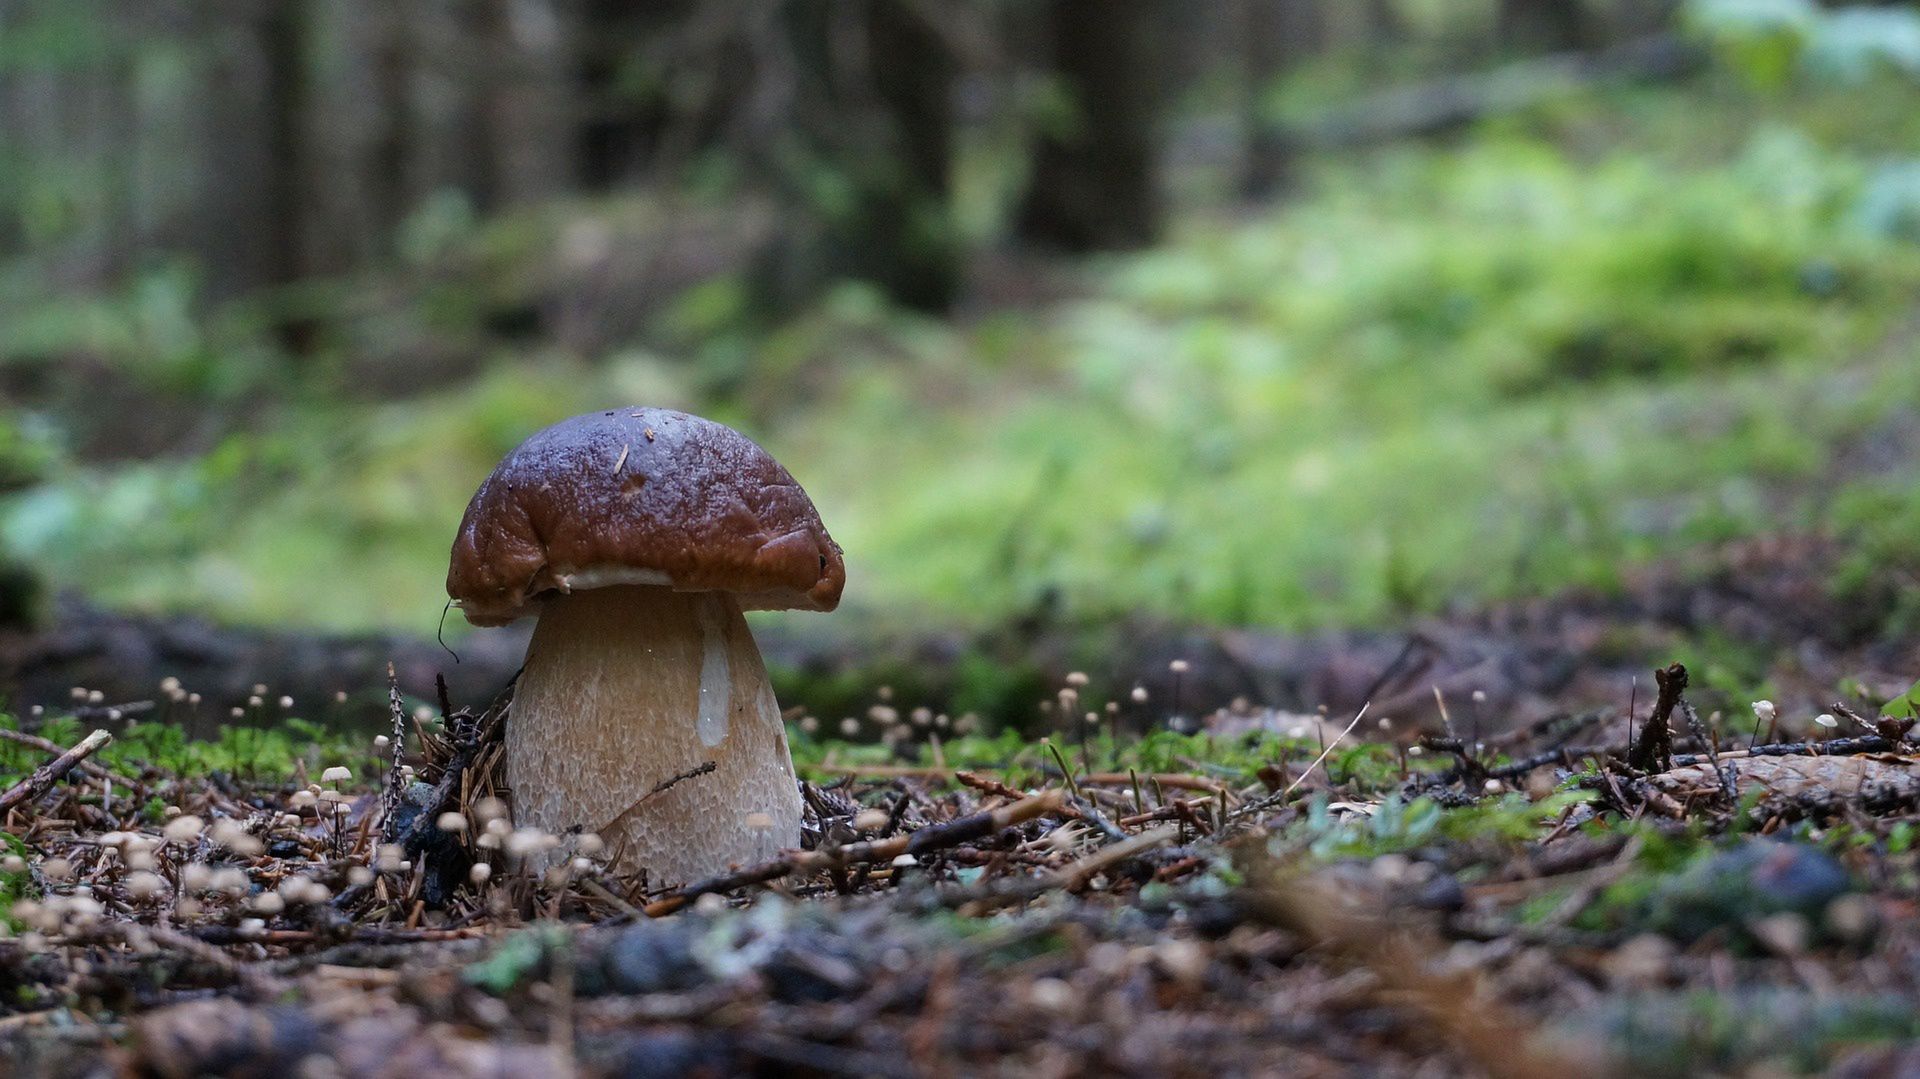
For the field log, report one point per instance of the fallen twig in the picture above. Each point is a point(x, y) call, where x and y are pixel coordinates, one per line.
point(1280, 797)
point(34, 741)
point(1177, 780)
point(49, 773)
point(989, 785)
point(932, 837)
point(1723, 772)
point(1073, 875)
point(658, 789)
point(1833, 747)
point(1653, 750)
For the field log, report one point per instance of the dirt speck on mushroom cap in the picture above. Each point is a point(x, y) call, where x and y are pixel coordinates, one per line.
point(641, 495)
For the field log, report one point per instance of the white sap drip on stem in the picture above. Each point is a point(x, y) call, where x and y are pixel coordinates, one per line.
point(716, 673)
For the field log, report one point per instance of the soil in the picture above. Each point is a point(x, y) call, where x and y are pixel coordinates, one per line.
point(1496, 891)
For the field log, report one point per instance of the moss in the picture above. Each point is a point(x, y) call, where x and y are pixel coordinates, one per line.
point(267, 753)
point(1441, 374)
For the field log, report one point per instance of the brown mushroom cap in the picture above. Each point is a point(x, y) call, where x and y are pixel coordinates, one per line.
point(641, 496)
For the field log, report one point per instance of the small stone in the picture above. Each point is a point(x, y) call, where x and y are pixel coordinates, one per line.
point(1785, 934)
point(229, 882)
point(1853, 918)
point(1050, 994)
point(1184, 961)
point(146, 885)
point(183, 829)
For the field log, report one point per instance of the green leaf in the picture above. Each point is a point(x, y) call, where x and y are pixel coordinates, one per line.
point(1905, 706)
point(517, 959)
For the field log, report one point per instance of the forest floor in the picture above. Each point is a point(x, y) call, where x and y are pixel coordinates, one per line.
point(1460, 844)
point(1565, 881)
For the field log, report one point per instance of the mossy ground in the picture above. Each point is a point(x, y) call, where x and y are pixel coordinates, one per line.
point(1593, 335)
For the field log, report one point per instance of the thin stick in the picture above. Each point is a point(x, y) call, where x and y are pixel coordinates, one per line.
point(1722, 772)
point(658, 788)
point(933, 837)
point(1176, 780)
point(1065, 769)
point(1280, 797)
point(34, 741)
point(1323, 753)
point(1097, 779)
point(1068, 877)
point(1072, 876)
point(1654, 750)
point(390, 792)
point(49, 773)
point(989, 785)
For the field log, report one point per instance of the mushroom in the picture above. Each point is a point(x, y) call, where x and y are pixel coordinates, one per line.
point(637, 536)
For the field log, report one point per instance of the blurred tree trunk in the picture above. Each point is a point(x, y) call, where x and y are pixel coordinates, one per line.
point(873, 81)
point(529, 105)
point(1384, 22)
point(283, 29)
point(624, 112)
point(1530, 26)
point(907, 225)
point(451, 144)
point(250, 212)
point(1093, 182)
point(387, 169)
point(1276, 34)
point(283, 47)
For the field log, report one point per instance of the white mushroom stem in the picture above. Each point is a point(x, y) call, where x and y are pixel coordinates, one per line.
point(628, 686)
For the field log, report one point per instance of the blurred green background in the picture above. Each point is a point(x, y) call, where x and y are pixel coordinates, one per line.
point(1285, 313)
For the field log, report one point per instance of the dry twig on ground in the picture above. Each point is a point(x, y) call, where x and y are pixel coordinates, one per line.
point(49, 773)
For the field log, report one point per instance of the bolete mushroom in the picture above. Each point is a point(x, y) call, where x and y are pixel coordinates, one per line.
point(637, 536)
